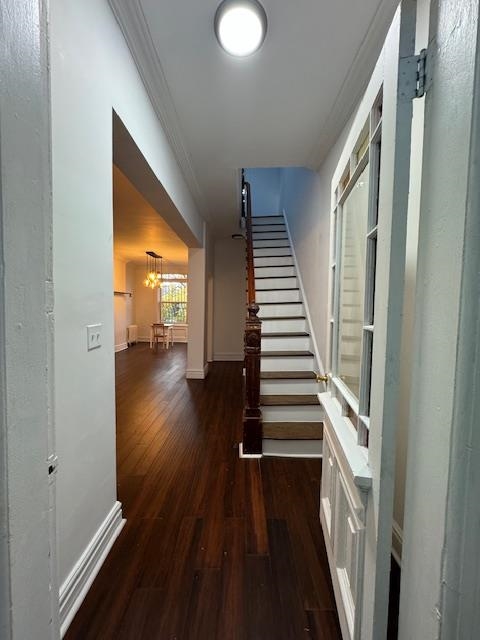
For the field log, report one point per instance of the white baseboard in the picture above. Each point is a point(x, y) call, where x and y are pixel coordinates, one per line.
point(121, 347)
point(228, 357)
point(79, 581)
point(197, 374)
point(247, 455)
point(397, 542)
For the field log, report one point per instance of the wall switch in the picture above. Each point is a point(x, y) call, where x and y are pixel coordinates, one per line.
point(94, 336)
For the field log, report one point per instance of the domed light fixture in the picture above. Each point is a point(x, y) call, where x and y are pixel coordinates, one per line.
point(240, 26)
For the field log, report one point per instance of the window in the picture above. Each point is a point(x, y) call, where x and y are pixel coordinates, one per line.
point(173, 298)
point(353, 270)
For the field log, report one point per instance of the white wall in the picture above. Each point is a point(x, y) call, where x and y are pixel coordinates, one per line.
point(145, 304)
point(122, 304)
point(229, 299)
point(306, 202)
point(265, 190)
point(197, 366)
point(92, 73)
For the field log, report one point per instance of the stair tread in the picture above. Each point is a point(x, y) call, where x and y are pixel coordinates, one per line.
point(280, 255)
point(292, 302)
point(288, 375)
point(293, 430)
point(272, 277)
point(286, 354)
point(279, 289)
point(289, 424)
point(268, 224)
point(290, 399)
point(286, 334)
point(282, 318)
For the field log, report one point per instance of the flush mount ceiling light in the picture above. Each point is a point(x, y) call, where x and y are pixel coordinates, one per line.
point(240, 26)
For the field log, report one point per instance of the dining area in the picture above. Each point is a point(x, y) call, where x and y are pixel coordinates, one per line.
point(161, 332)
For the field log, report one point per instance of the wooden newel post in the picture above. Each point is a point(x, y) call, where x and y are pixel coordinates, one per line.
point(252, 415)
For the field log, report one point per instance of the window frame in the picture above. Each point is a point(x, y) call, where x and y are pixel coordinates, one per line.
point(366, 150)
point(170, 279)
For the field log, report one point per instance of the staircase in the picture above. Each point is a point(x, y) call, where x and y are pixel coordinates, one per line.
point(292, 416)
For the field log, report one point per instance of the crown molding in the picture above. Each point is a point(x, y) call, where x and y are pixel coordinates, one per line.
point(133, 24)
point(355, 83)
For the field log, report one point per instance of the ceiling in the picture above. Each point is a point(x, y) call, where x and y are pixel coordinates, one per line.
point(283, 106)
point(137, 227)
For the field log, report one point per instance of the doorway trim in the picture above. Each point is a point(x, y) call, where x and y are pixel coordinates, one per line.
point(29, 593)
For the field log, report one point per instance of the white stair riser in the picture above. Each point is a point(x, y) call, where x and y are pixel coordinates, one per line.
point(275, 283)
point(272, 261)
point(277, 387)
point(267, 219)
point(259, 244)
point(274, 326)
point(292, 448)
point(291, 363)
point(269, 251)
point(297, 343)
point(270, 227)
point(302, 413)
point(278, 296)
point(274, 272)
point(274, 310)
point(269, 235)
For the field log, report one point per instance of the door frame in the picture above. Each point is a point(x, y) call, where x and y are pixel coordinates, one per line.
point(29, 593)
point(441, 569)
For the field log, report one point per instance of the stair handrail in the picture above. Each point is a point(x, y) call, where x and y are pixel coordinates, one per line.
point(252, 414)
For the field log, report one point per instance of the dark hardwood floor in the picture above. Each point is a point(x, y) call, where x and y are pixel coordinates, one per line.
point(215, 548)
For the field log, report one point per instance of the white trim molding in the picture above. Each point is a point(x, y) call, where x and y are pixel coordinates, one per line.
point(79, 581)
point(197, 374)
point(121, 347)
point(228, 357)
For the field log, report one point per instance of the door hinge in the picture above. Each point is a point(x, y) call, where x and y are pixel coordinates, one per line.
point(421, 74)
point(413, 76)
point(52, 464)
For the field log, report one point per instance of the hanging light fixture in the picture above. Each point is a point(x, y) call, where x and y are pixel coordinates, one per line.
point(154, 275)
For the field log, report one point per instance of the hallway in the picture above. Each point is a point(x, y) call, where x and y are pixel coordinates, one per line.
point(214, 547)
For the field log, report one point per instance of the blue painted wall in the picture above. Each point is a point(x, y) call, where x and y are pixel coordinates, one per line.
point(266, 190)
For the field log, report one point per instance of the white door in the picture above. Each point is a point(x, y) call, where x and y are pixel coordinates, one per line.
point(369, 217)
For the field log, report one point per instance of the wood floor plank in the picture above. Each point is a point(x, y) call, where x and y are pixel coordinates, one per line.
point(260, 622)
point(232, 605)
point(196, 558)
point(323, 625)
point(202, 616)
point(292, 620)
point(257, 534)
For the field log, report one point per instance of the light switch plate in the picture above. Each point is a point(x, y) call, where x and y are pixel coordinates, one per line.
point(94, 336)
